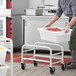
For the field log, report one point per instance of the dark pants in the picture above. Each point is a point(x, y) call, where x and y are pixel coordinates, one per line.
point(72, 42)
point(73, 53)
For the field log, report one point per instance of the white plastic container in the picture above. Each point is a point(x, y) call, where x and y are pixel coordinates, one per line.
point(2, 54)
point(52, 36)
point(3, 70)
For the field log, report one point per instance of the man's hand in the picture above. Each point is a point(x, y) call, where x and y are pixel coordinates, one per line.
point(54, 19)
point(48, 25)
point(71, 23)
point(66, 29)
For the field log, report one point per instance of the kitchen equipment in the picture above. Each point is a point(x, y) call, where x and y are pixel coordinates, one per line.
point(5, 12)
point(3, 50)
point(2, 3)
point(54, 36)
point(3, 70)
point(5, 18)
point(3, 26)
point(35, 12)
point(41, 46)
point(3, 54)
point(49, 10)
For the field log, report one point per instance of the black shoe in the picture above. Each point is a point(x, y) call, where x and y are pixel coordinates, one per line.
point(71, 67)
point(69, 63)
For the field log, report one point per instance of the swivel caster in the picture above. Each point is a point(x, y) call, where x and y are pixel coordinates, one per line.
point(52, 70)
point(35, 63)
point(63, 66)
point(69, 63)
point(23, 65)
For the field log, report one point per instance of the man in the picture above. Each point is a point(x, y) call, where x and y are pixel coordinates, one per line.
point(68, 7)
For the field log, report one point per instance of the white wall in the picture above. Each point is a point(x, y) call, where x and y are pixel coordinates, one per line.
point(35, 3)
point(19, 6)
point(52, 2)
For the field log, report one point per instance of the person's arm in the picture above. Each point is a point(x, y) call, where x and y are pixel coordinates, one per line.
point(73, 7)
point(56, 16)
point(73, 20)
point(71, 23)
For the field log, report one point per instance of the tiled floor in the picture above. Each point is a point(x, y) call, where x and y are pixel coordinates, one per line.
point(40, 70)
